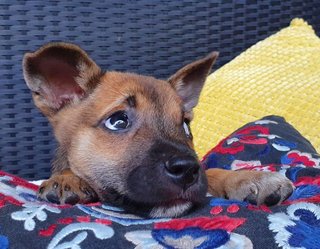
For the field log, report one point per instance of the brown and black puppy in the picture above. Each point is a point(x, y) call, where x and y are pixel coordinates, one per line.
point(125, 138)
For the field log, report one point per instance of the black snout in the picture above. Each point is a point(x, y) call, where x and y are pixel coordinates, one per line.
point(184, 171)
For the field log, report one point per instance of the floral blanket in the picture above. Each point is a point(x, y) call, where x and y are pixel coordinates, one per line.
point(269, 144)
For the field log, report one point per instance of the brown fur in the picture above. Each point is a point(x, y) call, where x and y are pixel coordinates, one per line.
point(92, 161)
point(254, 186)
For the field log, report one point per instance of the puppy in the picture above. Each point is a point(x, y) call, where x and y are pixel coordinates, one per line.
point(125, 138)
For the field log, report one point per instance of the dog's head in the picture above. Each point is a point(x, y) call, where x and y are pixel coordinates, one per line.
point(127, 135)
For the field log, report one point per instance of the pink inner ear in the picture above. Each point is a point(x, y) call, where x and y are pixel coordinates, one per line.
point(61, 86)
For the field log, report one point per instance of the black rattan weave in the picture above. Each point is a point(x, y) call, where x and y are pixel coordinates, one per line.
point(150, 37)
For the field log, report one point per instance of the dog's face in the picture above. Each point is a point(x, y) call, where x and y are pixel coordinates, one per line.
point(127, 135)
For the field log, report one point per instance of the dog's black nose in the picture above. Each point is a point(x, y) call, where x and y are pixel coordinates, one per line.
point(184, 171)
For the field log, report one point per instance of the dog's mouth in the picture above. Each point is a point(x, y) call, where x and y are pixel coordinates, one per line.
point(163, 188)
point(167, 208)
point(154, 193)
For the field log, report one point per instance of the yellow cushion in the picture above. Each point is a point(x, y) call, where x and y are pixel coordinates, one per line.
point(279, 75)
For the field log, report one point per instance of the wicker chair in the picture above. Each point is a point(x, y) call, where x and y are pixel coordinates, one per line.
point(148, 37)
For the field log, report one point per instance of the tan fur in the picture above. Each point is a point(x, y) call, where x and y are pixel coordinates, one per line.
point(241, 184)
point(65, 181)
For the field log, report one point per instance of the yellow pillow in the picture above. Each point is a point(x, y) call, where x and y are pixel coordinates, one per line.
point(279, 75)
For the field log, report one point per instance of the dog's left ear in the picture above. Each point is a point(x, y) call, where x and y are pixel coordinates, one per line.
point(188, 81)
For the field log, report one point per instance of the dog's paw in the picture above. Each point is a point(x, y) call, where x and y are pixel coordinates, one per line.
point(259, 187)
point(66, 189)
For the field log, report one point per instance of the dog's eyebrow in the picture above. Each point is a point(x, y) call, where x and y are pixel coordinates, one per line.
point(131, 101)
point(111, 106)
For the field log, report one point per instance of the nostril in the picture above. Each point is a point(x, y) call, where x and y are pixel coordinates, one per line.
point(191, 174)
point(176, 170)
point(195, 171)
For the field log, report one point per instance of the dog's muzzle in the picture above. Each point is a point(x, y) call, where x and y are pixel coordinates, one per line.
point(169, 181)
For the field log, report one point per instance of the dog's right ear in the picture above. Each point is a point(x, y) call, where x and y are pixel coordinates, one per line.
point(189, 80)
point(57, 74)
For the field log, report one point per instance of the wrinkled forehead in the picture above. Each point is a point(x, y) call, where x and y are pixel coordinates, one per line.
point(142, 92)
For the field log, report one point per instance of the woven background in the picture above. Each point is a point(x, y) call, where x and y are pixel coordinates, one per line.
point(148, 37)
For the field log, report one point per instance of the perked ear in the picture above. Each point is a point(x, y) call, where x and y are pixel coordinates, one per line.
point(57, 74)
point(188, 81)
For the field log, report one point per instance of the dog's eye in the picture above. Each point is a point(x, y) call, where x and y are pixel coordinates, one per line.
point(187, 128)
point(117, 121)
